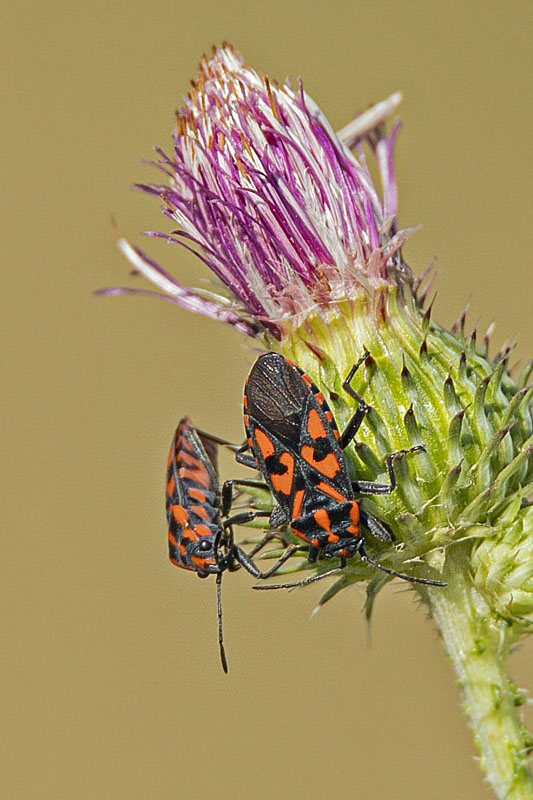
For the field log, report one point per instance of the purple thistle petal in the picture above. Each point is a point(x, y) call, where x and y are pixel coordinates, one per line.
point(385, 158)
point(174, 292)
point(369, 120)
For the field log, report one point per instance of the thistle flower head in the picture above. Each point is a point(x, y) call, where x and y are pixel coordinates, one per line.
point(276, 204)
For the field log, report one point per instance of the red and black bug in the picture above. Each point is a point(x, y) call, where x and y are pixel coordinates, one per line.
point(296, 445)
point(200, 533)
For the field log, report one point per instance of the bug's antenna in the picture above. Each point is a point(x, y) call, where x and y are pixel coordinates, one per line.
point(219, 615)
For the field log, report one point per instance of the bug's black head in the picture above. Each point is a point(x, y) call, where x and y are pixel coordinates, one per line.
point(203, 557)
point(344, 548)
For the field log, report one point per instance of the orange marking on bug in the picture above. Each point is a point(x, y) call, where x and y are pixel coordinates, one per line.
point(329, 416)
point(298, 502)
point(346, 552)
point(315, 426)
point(172, 539)
point(202, 530)
point(202, 563)
point(329, 466)
point(197, 494)
point(319, 397)
point(201, 476)
point(180, 515)
point(266, 448)
point(171, 485)
point(321, 518)
point(179, 564)
point(303, 536)
point(184, 446)
point(307, 380)
point(189, 458)
point(353, 529)
point(336, 433)
point(201, 511)
point(331, 492)
point(283, 483)
point(245, 401)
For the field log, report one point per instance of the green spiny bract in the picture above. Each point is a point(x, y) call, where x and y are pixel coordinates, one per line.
point(432, 387)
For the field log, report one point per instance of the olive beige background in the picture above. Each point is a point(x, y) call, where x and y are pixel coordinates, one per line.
point(112, 684)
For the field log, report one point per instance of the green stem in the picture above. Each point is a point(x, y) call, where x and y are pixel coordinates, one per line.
point(478, 644)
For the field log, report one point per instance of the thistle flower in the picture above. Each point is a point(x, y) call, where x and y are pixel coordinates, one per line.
point(307, 253)
point(272, 201)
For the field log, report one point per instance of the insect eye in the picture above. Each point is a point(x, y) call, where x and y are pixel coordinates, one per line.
point(205, 545)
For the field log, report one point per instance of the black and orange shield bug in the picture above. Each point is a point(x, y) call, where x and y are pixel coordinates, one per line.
point(200, 532)
point(297, 447)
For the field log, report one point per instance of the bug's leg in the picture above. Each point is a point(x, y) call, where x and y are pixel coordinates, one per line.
point(232, 551)
point(247, 459)
point(277, 517)
point(217, 439)
point(369, 487)
point(227, 491)
point(246, 562)
point(355, 423)
point(218, 540)
point(393, 572)
point(235, 448)
point(313, 554)
point(243, 517)
point(265, 540)
point(269, 535)
point(274, 521)
point(223, 538)
point(377, 528)
point(306, 581)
